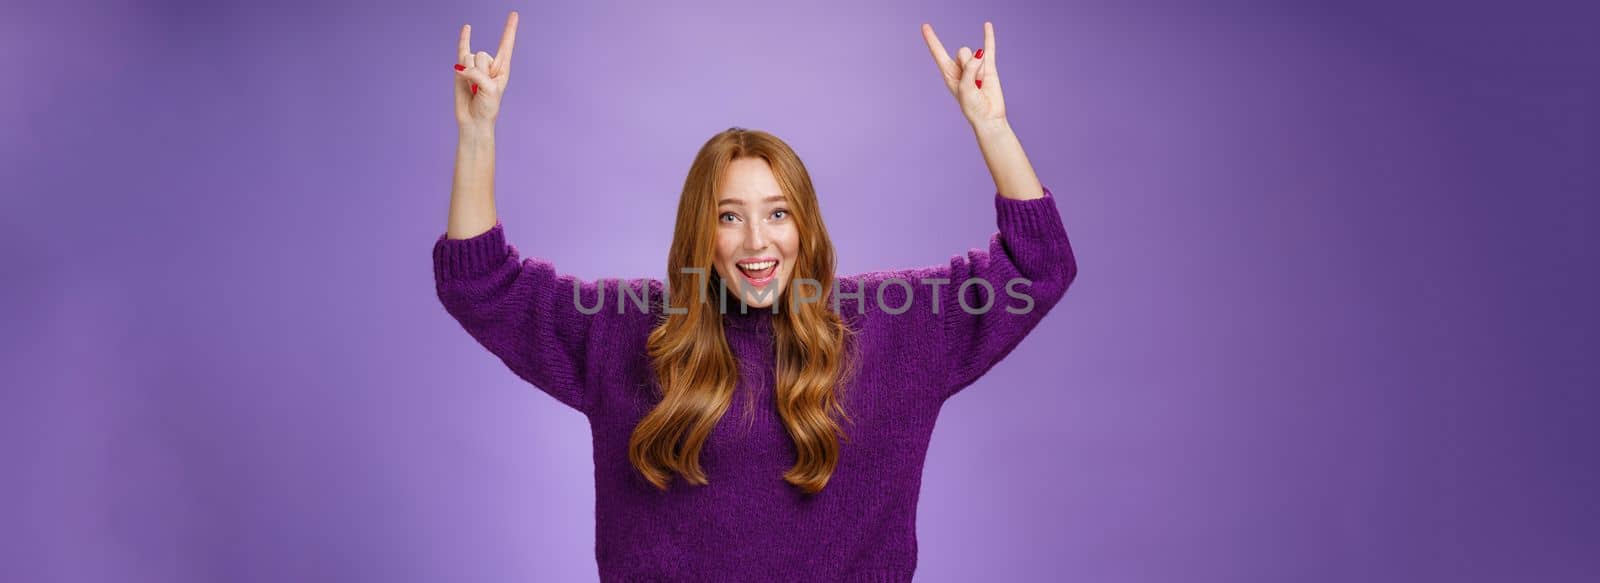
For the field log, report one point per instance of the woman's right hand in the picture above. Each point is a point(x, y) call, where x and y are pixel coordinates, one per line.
point(480, 79)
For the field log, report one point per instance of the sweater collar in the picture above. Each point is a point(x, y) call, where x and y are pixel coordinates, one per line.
point(737, 314)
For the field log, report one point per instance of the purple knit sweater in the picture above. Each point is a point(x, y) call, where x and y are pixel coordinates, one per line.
point(748, 524)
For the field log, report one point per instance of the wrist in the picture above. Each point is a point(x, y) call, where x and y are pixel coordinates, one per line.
point(476, 131)
point(991, 128)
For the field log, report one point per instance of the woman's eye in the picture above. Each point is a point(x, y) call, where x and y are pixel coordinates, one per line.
point(780, 212)
point(726, 216)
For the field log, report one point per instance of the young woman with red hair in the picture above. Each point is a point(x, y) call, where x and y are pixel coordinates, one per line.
point(840, 379)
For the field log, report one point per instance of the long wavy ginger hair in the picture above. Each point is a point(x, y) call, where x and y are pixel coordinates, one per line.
point(696, 369)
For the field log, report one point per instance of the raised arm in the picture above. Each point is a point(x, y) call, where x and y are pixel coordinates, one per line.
point(542, 324)
point(997, 295)
point(479, 82)
point(549, 328)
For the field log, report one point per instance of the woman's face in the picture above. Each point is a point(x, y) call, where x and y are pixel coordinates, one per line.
point(757, 242)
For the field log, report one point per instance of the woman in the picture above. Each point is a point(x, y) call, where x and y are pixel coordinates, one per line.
point(840, 379)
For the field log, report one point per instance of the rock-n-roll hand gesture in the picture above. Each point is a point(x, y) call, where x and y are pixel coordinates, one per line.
point(973, 79)
point(480, 79)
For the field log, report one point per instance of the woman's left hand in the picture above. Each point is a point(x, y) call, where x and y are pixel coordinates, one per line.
point(973, 79)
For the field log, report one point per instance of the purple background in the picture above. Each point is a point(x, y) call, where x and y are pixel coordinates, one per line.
point(1335, 322)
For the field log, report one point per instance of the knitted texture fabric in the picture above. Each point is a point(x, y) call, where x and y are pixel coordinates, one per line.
point(917, 346)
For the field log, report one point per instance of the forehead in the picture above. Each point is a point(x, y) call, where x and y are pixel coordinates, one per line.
point(749, 181)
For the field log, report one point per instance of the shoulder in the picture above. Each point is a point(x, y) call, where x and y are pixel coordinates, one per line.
point(623, 376)
point(891, 291)
point(895, 328)
point(635, 304)
point(895, 304)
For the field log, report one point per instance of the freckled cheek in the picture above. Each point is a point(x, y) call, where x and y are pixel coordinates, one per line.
point(791, 248)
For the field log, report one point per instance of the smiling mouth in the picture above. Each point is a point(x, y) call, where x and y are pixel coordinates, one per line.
point(759, 273)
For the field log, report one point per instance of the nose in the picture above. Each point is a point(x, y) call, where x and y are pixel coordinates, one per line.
point(756, 239)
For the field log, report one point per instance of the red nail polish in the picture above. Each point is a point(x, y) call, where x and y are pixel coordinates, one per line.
point(460, 67)
point(979, 82)
point(979, 55)
point(474, 88)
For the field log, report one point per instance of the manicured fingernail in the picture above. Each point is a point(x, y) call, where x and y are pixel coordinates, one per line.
point(474, 88)
point(460, 67)
point(979, 55)
point(979, 82)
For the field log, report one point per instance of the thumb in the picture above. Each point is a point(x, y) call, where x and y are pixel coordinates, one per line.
point(969, 73)
point(477, 77)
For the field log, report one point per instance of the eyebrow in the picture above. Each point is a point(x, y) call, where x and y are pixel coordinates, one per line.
point(773, 198)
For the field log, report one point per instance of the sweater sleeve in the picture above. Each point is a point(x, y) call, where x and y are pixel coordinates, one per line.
point(525, 312)
point(1027, 267)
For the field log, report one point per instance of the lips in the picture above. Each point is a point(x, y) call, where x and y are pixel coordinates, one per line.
point(759, 271)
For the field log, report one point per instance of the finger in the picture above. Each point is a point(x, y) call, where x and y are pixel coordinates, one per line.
point(508, 39)
point(482, 61)
point(463, 60)
point(988, 39)
point(477, 77)
point(461, 82)
point(941, 58)
point(480, 65)
point(985, 53)
point(989, 69)
point(969, 69)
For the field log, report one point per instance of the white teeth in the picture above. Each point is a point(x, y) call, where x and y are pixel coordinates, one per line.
point(757, 266)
